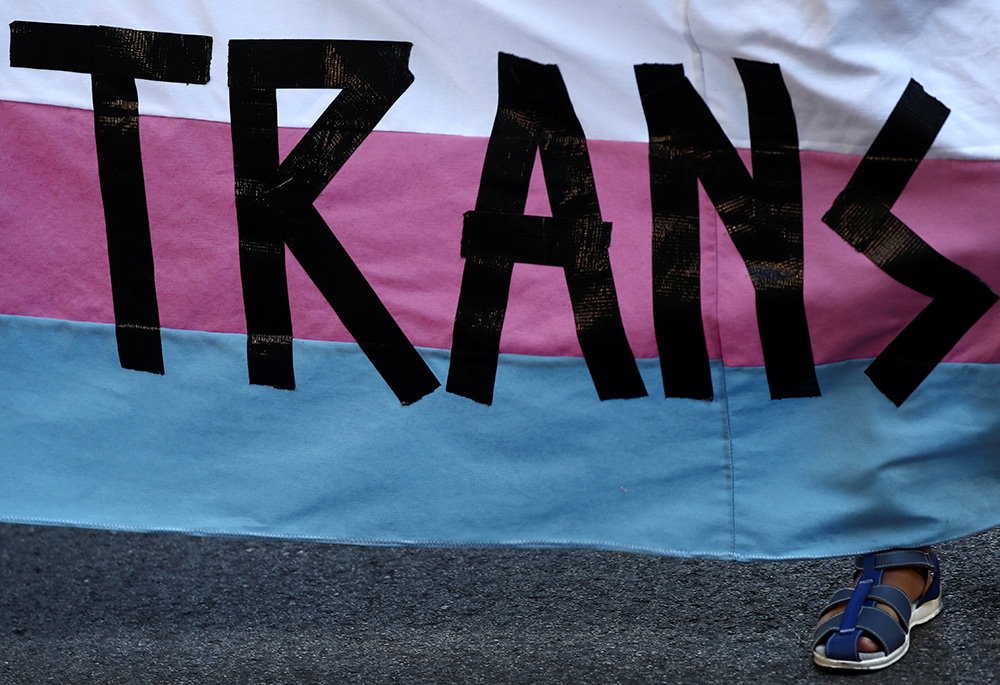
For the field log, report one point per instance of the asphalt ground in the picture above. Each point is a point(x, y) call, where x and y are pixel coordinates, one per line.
point(84, 606)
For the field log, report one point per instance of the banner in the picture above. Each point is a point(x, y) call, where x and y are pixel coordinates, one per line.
point(689, 280)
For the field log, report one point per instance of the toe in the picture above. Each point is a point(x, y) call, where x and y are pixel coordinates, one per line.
point(867, 645)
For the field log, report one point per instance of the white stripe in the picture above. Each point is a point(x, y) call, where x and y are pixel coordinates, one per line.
point(845, 64)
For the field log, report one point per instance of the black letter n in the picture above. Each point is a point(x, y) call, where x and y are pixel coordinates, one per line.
point(534, 113)
point(763, 216)
point(274, 202)
point(115, 58)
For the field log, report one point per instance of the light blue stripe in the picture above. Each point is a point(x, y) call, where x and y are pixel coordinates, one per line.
point(850, 472)
point(199, 450)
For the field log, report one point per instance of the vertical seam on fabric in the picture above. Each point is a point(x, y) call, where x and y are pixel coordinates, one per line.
point(693, 44)
point(727, 419)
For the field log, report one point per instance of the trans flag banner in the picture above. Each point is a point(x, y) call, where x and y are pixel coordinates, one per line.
point(686, 278)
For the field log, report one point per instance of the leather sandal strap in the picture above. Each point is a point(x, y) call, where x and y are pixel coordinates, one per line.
point(827, 628)
point(895, 598)
point(900, 558)
point(838, 598)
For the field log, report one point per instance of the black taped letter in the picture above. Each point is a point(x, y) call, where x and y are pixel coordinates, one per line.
point(534, 112)
point(115, 57)
point(862, 215)
point(763, 216)
point(274, 201)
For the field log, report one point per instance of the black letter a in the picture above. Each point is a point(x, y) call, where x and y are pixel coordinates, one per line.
point(534, 112)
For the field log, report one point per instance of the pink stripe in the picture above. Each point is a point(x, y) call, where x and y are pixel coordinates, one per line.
point(397, 206)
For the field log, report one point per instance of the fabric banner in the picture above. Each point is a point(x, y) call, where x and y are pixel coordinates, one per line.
point(681, 278)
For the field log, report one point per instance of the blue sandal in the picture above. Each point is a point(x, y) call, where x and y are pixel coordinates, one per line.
point(836, 639)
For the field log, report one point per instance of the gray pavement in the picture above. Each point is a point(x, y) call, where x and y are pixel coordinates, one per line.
point(82, 606)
